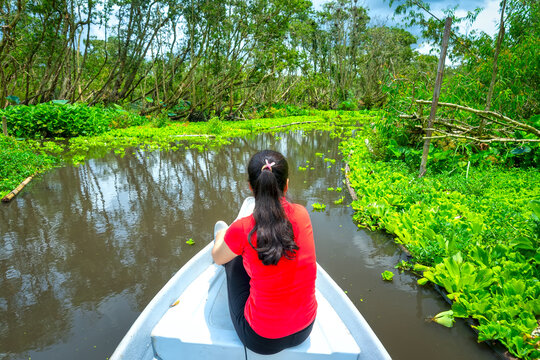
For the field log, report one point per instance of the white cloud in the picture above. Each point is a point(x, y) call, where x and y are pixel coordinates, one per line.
point(488, 19)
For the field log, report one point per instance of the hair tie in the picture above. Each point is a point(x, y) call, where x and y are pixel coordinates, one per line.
point(268, 165)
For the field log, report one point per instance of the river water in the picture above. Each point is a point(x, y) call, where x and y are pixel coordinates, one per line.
point(84, 249)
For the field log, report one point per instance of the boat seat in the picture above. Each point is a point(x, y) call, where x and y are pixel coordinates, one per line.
point(199, 327)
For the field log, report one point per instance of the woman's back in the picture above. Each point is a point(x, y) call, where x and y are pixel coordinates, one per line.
point(282, 296)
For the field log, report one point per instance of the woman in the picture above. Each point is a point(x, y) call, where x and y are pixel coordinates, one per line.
point(270, 263)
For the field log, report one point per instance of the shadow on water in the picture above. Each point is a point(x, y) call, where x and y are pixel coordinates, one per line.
point(84, 249)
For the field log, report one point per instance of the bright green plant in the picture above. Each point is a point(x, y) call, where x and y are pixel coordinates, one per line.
point(477, 237)
point(387, 275)
point(319, 207)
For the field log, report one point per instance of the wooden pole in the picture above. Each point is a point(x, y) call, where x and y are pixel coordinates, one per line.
point(436, 93)
point(4, 125)
point(14, 192)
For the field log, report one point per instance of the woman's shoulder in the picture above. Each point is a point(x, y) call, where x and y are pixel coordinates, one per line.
point(243, 222)
point(299, 210)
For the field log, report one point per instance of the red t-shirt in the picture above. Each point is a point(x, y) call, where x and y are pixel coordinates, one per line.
point(282, 297)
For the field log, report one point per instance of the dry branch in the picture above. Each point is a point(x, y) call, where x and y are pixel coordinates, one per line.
point(483, 112)
point(447, 135)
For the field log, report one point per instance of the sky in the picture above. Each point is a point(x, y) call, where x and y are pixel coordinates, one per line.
point(381, 14)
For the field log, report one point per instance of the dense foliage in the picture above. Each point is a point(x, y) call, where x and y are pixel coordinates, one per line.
point(58, 119)
point(19, 160)
point(476, 234)
point(516, 91)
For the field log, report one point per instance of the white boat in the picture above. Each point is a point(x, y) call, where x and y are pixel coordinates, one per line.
point(189, 319)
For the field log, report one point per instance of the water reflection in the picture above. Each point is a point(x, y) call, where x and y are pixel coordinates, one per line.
point(84, 249)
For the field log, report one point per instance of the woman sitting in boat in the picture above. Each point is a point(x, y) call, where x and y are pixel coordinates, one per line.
point(270, 263)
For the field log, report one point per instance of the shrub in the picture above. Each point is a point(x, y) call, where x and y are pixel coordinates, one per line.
point(57, 119)
point(348, 105)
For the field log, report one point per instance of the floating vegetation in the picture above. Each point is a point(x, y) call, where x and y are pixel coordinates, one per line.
point(319, 207)
point(190, 242)
point(476, 236)
point(445, 318)
point(115, 132)
point(387, 275)
point(340, 200)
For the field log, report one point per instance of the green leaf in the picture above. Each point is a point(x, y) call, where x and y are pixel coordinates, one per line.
point(459, 310)
point(60, 102)
point(149, 99)
point(422, 281)
point(190, 242)
point(445, 318)
point(387, 275)
point(535, 207)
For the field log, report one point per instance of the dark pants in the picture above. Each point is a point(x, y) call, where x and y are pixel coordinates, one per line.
point(238, 291)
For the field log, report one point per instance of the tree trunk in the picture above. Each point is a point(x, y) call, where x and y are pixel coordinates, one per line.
point(436, 93)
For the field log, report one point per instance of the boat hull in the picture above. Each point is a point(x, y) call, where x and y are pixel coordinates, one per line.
point(198, 325)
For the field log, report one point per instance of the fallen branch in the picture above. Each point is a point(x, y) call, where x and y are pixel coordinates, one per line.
point(14, 192)
point(484, 112)
point(295, 123)
point(195, 135)
point(447, 135)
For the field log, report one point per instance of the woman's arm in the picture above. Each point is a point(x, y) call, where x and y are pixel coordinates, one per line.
point(221, 253)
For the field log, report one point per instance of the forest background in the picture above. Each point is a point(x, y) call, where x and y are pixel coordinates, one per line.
point(230, 58)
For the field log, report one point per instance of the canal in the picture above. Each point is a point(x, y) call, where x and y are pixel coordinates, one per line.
point(84, 249)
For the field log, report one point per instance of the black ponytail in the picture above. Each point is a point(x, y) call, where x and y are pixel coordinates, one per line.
point(268, 173)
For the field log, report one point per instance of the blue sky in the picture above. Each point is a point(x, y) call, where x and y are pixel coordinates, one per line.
point(382, 14)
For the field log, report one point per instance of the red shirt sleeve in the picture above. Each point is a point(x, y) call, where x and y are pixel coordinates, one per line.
point(234, 237)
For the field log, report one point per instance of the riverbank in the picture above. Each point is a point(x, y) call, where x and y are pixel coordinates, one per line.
point(22, 158)
point(474, 233)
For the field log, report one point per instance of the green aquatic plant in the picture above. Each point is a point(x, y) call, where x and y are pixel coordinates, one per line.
point(445, 318)
point(387, 275)
point(190, 241)
point(339, 201)
point(319, 207)
point(476, 237)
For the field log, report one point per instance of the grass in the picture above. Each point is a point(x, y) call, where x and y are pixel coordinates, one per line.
point(18, 161)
